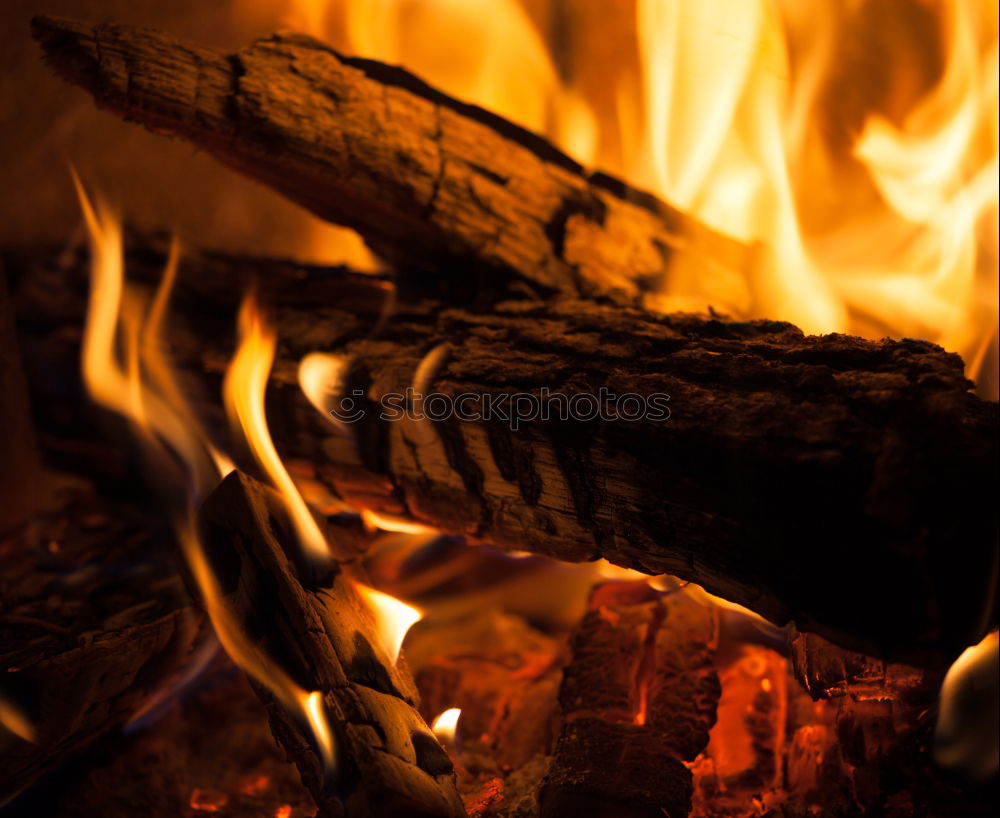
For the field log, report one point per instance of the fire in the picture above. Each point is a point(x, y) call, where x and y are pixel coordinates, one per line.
point(243, 389)
point(321, 378)
point(853, 145)
point(14, 721)
point(138, 384)
point(445, 725)
point(393, 618)
point(374, 521)
point(965, 738)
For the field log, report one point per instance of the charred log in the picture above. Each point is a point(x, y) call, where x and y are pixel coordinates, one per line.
point(434, 185)
point(638, 699)
point(841, 483)
point(387, 762)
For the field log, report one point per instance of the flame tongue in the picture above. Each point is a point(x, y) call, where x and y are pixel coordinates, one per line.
point(140, 386)
point(392, 618)
point(244, 388)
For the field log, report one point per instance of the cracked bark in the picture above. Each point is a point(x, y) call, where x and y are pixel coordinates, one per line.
point(841, 483)
point(319, 630)
point(444, 189)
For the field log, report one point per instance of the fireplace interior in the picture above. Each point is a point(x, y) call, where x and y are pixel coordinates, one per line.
point(521, 409)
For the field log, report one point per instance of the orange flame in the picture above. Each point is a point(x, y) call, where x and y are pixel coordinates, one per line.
point(14, 721)
point(243, 389)
point(143, 390)
point(871, 201)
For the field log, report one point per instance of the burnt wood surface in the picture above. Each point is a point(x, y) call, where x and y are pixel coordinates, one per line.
point(841, 483)
point(386, 760)
point(637, 700)
point(95, 628)
point(445, 189)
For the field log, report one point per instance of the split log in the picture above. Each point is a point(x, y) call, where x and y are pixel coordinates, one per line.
point(638, 699)
point(836, 482)
point(430, 183)
point(841, 483)
point(387, 762)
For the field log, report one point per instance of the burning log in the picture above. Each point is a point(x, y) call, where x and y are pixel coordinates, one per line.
point(793, 473)
point(841, 483)
point(431, 183)
point(386, 761)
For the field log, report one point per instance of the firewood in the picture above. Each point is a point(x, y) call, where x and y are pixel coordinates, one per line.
point(841, 483)
point(387, 761)
point(211, 752)
point(95, 629)
point(638, 699)
point(432, 184)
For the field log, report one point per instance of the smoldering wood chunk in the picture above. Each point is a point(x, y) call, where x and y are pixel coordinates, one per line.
point(638, 699)
point(431, 183)
point(828, 671)
point(744, 761)
point(504, 676)
point(322, 635)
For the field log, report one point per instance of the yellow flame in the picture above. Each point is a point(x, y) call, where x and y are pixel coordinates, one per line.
point(867, 185)
point(139, 384)
point(321, 378)
point(393, 618)
point(966, 731)
point(445, 725)
point(373, 520)
point(248, 655)
point(244, 387)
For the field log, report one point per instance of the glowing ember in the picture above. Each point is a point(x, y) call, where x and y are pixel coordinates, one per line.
point(255, 785)
point(284, 811)
point(392, 618)
point(205, 800)
point(446, 725)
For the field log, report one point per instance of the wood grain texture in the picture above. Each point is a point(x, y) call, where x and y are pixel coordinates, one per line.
point(387, 762)
point(436, 186)
point(841, 483)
